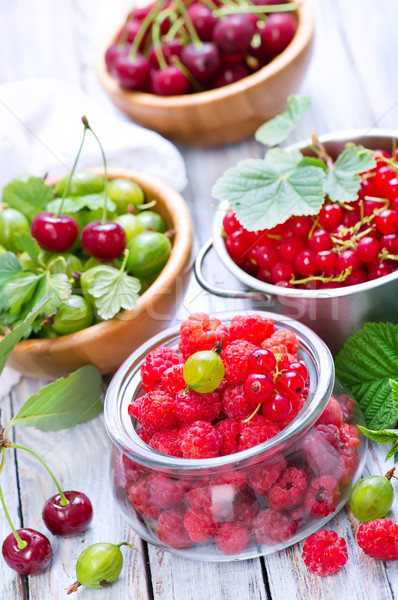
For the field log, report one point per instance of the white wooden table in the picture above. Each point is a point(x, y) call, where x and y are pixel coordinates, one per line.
point(353, 82)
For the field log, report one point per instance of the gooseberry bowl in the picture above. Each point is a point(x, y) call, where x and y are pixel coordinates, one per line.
point(107, 343)
point(232, 493)
point(222, 115)
point(334, 314)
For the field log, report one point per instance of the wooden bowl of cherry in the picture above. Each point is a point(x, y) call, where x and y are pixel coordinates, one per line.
point(109, 343)
point(224, 115)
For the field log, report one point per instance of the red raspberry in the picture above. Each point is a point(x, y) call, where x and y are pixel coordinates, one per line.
point(144, 435)
point(232, 479)
point(155, 365)
point(172, 380)
point(324, 553)
point(166, 492)
point(236, 360)
point(200, 498)
point(230, 431)
point(266, 474)
point(258, 430)
point(272, 526)
point(232, 538)
point(332, 414)
point(139, 495)
point(235, 403)
point(154, 411)
point(276, 348)
point(349, 435)
point(167, 441)
point(288, 491)
point(199, 525)
point(200, 332)
point(126, 471)
point(379, 539)
point(171, 529)
point(346, 466)
point(322, 496)
point(285, 337)
point(201, 440)
point(246, 508)
point(321, 449)
point(191, 406)
point(347, 406)
point(253, 328)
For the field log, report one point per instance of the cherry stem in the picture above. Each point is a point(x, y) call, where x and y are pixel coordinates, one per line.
point(253, 413)
point(390, 474)
point(210, 4)
point(21, 543)
point(143, 29)
point(174, 28)
point(192, 80)
point(246, 8)
point(64, 500)
point(125, 34)
point(190, 26)
point(66, 189)
point(86, 123)
point(157, 45)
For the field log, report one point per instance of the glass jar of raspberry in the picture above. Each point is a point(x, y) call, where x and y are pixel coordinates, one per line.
point(250, 502)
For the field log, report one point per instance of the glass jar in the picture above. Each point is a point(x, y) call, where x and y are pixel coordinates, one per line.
point(246, 504)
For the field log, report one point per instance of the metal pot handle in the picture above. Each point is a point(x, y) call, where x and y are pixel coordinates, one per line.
point(207, 246)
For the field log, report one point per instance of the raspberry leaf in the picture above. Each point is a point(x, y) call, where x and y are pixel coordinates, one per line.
point(30, 196)
point(267, 192)
point(279, 128)
point(343, 181)
point(366, 364)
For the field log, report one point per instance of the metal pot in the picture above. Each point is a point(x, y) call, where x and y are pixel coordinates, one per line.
point(334, 314)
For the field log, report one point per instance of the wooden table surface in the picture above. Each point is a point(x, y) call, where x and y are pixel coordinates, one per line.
point(353, 82)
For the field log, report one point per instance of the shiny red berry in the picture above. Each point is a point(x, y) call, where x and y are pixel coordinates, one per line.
point(293, 381)
point(103, 240)
point(278, 408)
point(368, 249)
point(73, 518)
point(387, 221)
point(32, 559)
point(262, 361)
point(258, 388)
point(54, 233)
point(330, 216)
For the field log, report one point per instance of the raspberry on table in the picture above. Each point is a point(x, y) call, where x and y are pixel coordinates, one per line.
point(201, 440)
point(192, 406)
point(322, 496)
point(232, 538)
point(200, 332)
point(285, 338)
point(154, 411)
point(155, 364)
point(166, 492)
point(288, 490)
point(167, 441)
point(171, 529)
point(263, 477)
point(273, 526)
point(200, 525)
point(235, 404)
point(253, 328)
point(236, 360)
point(139, 495)
point(324, 553)
point(256, 431)
point(172, 380)
point(379, 539)
point(230, 431)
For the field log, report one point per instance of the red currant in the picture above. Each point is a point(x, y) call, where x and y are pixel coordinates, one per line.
point(293, 381)
point(330, 216)
point(267, 257)
point(282, 271)
point(230, 222)
point(258, 388)
point(300, 368)
point(301, 226)
point(391, 189)
point(348, 259)
point(387, 221)
point(277, 408)
point(290, 247)
point(390, 241)
point(325, 261)
point(238, 245)
point(379, 269)
point(320, 240)
point(368, 249)
point(305, 263)
point(262, 361)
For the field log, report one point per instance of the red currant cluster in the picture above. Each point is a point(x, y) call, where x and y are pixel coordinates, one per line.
point(345, 244)
point(262, 389)
point(172, 48)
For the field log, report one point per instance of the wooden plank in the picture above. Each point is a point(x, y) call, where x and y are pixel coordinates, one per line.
point(79, 458)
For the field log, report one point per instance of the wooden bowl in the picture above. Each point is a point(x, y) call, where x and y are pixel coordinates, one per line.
point(224, 115)
point(109, 343)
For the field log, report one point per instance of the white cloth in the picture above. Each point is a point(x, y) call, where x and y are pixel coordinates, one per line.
point(41, 131)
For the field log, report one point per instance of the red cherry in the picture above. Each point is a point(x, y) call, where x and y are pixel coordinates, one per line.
point(132, 73)
point(112, 54)
point(202, 61)
point(54, 233)
point(203, 20)
point(169, 81)
point(73, 518)
point(230, 74)
point(32, 559)
point(103, 240)
point(234, 34)
point(278, 32)
point(258, 388)
point(262, 361)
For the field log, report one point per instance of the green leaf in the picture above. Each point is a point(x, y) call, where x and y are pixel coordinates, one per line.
point(29, 244)
point(9, 267)
point(57, 284)
point(279, 128)
point(383, 436)
point(394, 392)
point(90, 201)
point(64, 403)
point(8, 343)
point(393, 450)
point(20, 290)
point(30, 197)
point(308, 161)
point(267, 192)
point(113, 290)
point(343, 182)
point(365, 365)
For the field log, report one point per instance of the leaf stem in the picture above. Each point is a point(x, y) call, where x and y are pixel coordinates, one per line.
point(64, 500)
point(67, 186)
point(21, 543)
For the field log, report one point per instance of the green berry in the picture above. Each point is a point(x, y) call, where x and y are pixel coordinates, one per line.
point(152, 221)
point(12, 222)
point(131, 225)
point(203, 371)
point(148, 253)
point(124, 192)
point(371, 498)
point(82, 183)
point(75, 313)
point(98, 566)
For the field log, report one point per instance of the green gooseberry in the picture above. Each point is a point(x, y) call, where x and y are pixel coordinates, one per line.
point(86, 279)
point(204, 371)
point(124, 192)
point(131, 225)
point(148, 253)
point(90, 263)
point(96, 215)
point(26, 262)
point(68, 265)
point(98, 566)
point(371, 498)
point(2, 250)
point(82, 183)
point(75, 313)
point(152, 221)
point(12, 222)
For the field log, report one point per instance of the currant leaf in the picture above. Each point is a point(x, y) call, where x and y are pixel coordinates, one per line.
point(279, 128)
point(365, 365)
point(342, 181)
point(113, 291)
point(30, 196)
